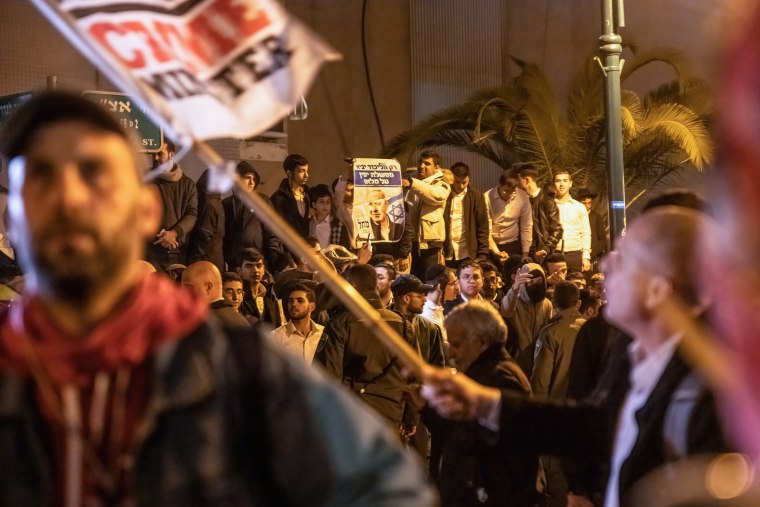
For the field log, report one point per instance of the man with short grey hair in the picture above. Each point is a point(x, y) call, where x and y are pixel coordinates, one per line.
point(464, 461)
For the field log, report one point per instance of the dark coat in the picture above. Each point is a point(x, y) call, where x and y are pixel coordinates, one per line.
point(243, 229)
point(450, 305)
point(547, 229)
point(233, 421)
point(584, 433)
point(598, 235)
point(590, 355)
point(471, 459)
point(248, 308)
point(394, 234)
point(364, 364)
point(179, 201)
point(285, 203)
point(208, 236)
point(399, 249)
point(227, 315)
point(475, 219)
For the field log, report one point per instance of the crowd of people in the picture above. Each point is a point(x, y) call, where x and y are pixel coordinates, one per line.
point(555, 377)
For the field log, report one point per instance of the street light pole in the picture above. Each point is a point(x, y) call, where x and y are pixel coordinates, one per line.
point(612, 19)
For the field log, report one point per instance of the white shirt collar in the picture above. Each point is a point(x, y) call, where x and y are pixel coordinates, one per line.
point(646, 369)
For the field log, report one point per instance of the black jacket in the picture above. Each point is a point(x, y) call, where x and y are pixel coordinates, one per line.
point(598, 235)
point(232, 421)
point(364, 364)
point(285, 203)
point(227, 315)
point(471, 463)
point(584, 433)
point(250, 311)
point(475, 220)
point(547, 229)
point(243, 229)
point(208, 236)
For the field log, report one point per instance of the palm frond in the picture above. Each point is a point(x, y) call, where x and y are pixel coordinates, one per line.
point(675, 59)
point(631, 114)
point(684, 128)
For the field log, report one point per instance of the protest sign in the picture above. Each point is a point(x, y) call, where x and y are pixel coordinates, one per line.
point(208, 68)
point(378, 210)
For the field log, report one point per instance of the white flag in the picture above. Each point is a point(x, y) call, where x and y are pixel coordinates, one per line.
point(208, 68)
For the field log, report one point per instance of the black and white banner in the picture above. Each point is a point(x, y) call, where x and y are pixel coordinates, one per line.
point(209, 68)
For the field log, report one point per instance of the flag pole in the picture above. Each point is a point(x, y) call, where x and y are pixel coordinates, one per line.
point(344, 291)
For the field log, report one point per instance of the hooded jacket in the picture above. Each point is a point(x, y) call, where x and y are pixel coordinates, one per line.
point(526, 317)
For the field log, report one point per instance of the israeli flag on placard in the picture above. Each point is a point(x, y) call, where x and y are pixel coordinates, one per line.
point(396, 208)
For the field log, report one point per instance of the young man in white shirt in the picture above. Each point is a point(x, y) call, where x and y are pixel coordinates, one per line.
point(510, 218)
point(576, 231)
point(300, 335)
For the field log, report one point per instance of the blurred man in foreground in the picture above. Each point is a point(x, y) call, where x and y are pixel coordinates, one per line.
point(116, 388)
point(626, 427)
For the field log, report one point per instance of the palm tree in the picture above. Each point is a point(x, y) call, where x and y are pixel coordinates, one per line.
point(521, 122)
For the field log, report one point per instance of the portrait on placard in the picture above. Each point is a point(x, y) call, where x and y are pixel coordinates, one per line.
point(378, 200)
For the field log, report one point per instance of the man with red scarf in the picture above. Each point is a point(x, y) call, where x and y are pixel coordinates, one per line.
point(117, 388)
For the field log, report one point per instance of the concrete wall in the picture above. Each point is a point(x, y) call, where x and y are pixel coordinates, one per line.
point(557, 34)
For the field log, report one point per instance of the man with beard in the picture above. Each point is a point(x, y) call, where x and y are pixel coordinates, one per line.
point(410, 295)
point(426, 196)
point(300, 335)
point(205, 281)
point(386, 274)
point(179, 200)
point(470, 276)
point(117, 390)
point(527, 310)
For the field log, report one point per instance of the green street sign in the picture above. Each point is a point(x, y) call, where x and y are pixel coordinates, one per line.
point(132, 117)
point(10, 103)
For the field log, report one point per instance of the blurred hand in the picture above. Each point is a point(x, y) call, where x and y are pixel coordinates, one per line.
point(402, 265)
point(586, 265)
point(167, 239)
point(457, 397)
point(539, 256)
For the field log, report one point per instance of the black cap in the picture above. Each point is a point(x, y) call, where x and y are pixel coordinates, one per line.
point(404, 284)
point(434, 272)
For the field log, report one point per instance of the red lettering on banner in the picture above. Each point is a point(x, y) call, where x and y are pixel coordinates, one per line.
point(213, 34)
point(105, 32)
point(246, 22)
point(179, 42)
point(148, 36)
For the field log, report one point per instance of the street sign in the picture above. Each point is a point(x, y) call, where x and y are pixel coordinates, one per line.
point(132, 117)
point(10, 103)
